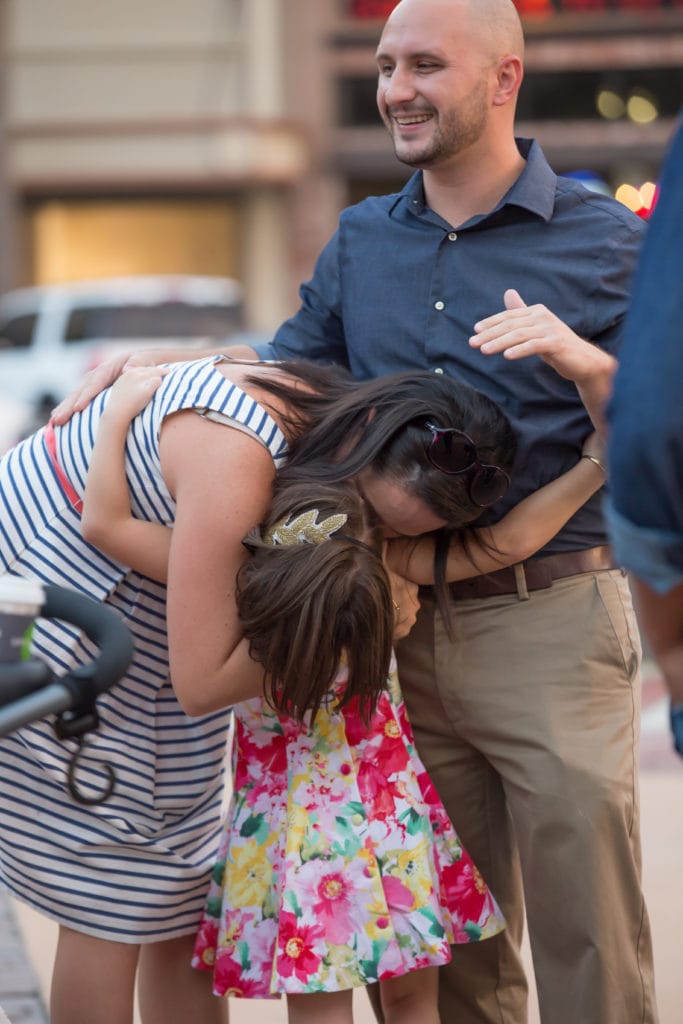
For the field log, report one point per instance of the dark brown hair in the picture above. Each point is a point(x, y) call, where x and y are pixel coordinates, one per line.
point(341, 426)
point(306, 608)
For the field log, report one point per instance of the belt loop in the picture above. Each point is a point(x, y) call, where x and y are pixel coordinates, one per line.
point(520, 581)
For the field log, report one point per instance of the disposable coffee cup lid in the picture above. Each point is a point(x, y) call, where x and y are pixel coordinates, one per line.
point(16, 589)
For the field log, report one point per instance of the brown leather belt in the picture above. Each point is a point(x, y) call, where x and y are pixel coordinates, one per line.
point(535, 574)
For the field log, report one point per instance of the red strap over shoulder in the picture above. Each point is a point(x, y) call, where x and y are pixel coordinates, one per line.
point(67, 487)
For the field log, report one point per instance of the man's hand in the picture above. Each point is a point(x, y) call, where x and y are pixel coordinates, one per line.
point(106, 373)
point(99, 378)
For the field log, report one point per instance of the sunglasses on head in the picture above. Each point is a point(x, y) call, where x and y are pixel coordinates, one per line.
point(453, 452)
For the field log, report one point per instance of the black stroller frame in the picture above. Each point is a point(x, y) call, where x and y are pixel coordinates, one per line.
point(29, 690)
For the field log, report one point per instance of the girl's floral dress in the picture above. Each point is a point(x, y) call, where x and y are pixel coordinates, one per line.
point(338, 865)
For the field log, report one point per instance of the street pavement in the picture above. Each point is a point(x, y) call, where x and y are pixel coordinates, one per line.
point(27, 941)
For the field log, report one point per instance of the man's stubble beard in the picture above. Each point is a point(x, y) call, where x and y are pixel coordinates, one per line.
point(456, 133)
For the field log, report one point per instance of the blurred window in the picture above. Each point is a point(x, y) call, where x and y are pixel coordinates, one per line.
point(545, 95)
point(544, 6)
point(18, 332)
point(167, 320)
point(568, 95)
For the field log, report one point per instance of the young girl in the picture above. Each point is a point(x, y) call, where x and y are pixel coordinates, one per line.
point(338, 865)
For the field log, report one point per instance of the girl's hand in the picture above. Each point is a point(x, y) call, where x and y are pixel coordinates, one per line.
point(133, 390)
point(404, 594)
point(520, 330)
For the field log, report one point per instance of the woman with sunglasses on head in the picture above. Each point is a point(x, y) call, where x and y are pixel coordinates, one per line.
point(331, 805)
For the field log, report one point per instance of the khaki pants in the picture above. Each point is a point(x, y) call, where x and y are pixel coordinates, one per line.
point(528, 723)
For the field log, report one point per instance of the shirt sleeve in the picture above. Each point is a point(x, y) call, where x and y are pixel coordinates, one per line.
point(316, 331)
point(612, 285)
point(646, 412)
point(655, 556)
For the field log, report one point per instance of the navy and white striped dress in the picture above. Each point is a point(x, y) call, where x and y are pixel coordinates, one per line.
point(135, 868)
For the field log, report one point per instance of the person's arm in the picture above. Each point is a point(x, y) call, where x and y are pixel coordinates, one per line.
point(107, 521)
point(520, 331)
point(661, 617)
point(222, 481)
point(405, 599)
point(107, 372)
point(316, 331)
point(524, 530)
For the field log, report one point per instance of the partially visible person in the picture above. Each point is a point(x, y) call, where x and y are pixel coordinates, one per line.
point(338, 866)
point(645, 509)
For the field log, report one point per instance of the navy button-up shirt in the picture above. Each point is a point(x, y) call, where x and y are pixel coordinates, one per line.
point(398, 288)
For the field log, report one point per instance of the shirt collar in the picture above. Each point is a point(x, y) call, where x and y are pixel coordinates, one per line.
point(534, 190)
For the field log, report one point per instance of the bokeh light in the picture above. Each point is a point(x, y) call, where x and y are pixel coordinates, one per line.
point(610, 105)
point(642, 108)
point(641, 200)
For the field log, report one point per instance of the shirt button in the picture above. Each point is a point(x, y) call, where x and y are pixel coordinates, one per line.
point(452, 236)
point(439, 305)
point(437, 369)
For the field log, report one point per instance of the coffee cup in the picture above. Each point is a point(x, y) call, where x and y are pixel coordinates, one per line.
point(20, 602)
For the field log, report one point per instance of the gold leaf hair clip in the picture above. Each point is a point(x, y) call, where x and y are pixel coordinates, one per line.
point(304, 529)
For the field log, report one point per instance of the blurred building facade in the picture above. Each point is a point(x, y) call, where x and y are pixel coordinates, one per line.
point(223, 136)
point(151, 136)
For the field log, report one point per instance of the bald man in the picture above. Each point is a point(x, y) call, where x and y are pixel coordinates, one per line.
point(488, 267)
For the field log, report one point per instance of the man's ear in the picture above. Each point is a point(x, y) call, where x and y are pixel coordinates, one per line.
point(509, 76)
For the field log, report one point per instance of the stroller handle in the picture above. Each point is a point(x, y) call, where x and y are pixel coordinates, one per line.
point(28, 690)
point(102, 625)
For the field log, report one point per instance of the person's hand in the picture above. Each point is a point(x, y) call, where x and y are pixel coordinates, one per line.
point(133, 390)
point(404, 595)
point(101, 377)
point(520, 331)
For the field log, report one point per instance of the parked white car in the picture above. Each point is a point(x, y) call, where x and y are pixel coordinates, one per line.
point(51, 335)
point(16, 421)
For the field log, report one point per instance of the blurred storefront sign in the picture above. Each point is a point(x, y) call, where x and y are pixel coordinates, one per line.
point(381, 8)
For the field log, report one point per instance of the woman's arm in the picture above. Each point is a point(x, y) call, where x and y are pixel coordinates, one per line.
point(520, 331)
point(222, 482)
point(108, 522)
point(526, 528)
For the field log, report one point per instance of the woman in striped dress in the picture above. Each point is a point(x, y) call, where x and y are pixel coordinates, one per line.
point(126, 880)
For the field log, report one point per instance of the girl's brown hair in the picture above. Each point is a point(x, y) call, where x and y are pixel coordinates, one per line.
point(305, 608)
